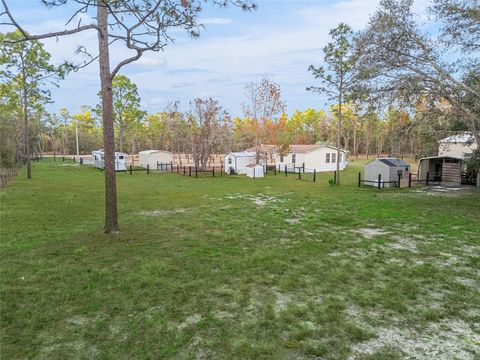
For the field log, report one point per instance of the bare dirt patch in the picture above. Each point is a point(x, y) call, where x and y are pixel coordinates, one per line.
point(449, 339)
point(164, 212)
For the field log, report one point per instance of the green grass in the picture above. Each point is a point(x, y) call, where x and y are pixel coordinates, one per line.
point(232, 268)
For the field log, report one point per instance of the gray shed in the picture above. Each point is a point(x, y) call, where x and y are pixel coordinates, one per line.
point(389, 170)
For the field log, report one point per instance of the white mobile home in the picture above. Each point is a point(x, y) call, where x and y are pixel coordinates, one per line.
point(315, 157)
point(457, 146)
point(389, 169)
point(98, 157)
point(154, 157)
point(236, 162)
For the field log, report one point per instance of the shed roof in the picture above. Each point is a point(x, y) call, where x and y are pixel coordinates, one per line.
point(243, 154)
point(459, 138)
point(149, 152)
point(393, 162)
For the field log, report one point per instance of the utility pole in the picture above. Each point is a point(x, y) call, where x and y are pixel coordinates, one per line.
point(76, 136)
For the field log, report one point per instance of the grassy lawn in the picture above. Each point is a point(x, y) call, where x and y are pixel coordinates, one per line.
point(232, 268)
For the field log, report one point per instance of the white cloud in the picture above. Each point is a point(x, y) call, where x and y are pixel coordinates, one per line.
point(215, 21)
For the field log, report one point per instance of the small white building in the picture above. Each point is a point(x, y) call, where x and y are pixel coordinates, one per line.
point(254, 171)
point(98, 158)
point(457, 146)
point(154, 157)
point(389, 170)
point(236, 162)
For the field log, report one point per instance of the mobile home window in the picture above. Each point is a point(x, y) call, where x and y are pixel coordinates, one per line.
point(334, 158)
point(327, 158)
point(294, 158)
point(121, 157)
point(229, 160)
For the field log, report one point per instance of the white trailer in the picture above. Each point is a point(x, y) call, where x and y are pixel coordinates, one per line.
point(98, 157)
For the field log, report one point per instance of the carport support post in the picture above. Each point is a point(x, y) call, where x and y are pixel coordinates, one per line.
point(359, 179)
point(427, 180)
point(379, 180)
point(409, 180)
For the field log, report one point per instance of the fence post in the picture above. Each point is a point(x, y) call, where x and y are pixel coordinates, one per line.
point(73, 159)
point(81, 161)
point(178, 168)
point(171, 166)
point(196, 172)
point(279, 169)
point(275, 170)
point(299, 173)
point(184, 170)
point(286, 170)
point(359, 179)
point(335, 177)
point(379, 180)
point(399, 177)
point(158, 165)
point(63, 158)
point(213, 171)
point(409, 180)
point(427, 180)
point(303, 167)
point(190, 170)
point(131, 169)
point(314, 174)
point(148, 169)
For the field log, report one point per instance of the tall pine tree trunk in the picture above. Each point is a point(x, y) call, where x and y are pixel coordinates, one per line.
point(339, 135)
point(111, 216)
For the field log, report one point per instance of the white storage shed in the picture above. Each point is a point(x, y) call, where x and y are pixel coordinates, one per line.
point(154, 157)
point(98, 158)
point(255, 171)
point(236, 162)
point(389, 170)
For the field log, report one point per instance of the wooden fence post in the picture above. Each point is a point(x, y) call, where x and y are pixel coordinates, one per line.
point(427, 180)
point(148, 169)
point(213, 171)
point(131, 169)
point(335, 177)
point(190, 170)
point(286, 170)
point(299, 173)
point(359, 179)
point(409, 180)
point(196, 172)
point(303, 167)
point(184, 170)
point(171, 166)
point(314, 174)
point(279, 169)
point(158, 164)
point(275, 170)
point(399, 178)
point(379, 180)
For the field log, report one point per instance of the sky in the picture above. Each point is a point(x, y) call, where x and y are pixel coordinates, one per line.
point(279, 40)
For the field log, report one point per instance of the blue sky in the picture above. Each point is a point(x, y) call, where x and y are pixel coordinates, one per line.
point(279, 40)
